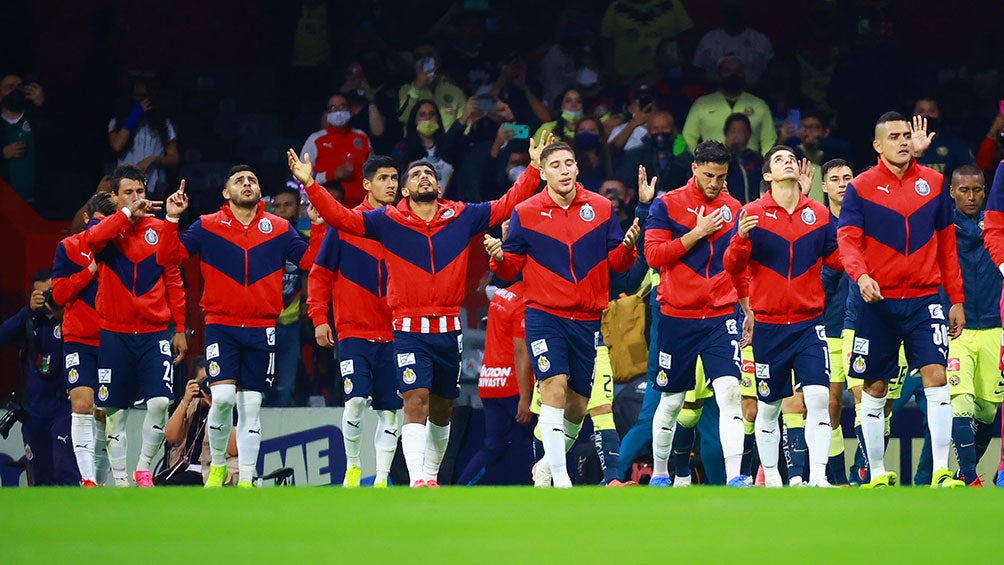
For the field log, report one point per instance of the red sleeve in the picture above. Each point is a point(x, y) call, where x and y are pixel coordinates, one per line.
point(741, 282)
point(833, 261)
point(170, 251)
point(340, 217)
point(993, 235)
point(985, 154)
point(509, 267)
point(319, 284)
point(98, 236)
point(620, 258)
point(175, 291)
point(525, 187)
point(737, 255)
point(948, 261)
point(661, 250)
point(65, 289)
point(317, 232)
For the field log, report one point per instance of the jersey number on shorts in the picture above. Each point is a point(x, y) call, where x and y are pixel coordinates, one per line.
point(940, 334)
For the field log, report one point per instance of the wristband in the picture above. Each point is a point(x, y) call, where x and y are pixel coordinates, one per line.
point(134, 117)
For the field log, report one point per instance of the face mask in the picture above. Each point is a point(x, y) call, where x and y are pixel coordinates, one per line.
point(339, 118)
point(587, 141)
point(572, 117)
point(586, 77)
point(662, 141)
point(515, 172)
point(15, 101)
point(427, 127)
point(732, 84)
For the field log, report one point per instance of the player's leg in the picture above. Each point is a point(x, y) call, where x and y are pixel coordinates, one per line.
point(414, 371)
point(102, 470)
point(836, 466)
point(357, 384)
point(80, 365)
point(446, 350)
point(812, 371)
point(116, 393)
point(387, 403)
point(989, 387)
point(747, 391)
point(722, 359)
point(64, 461)
point(600, 408)
point(773, 382)
point(287, 361)
point(223, 369)
point(960, 371)
point(684, 437)
point(793, 437)
point(678, 340)
point(640, 434)
point(156, 379)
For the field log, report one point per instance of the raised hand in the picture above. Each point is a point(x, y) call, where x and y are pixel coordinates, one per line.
point(177, 203)
point(314, 215)
point(493, 246)
point(746, 223)
point(646, 189)
point(537, 149)
point(144, 208)
point(805, 173)
point(302, 170)
point(632, 234)
point(920, 140)
point(707, 225)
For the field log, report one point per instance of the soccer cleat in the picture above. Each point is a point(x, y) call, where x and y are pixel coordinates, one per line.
point(942, 478)
point(741, 481)
point(617, 483)
point(682, 482)
point(1000, 478)
point(245, 484)
point(143, 478)
point(660, 482)
point(217, 476)
point(541, 475)
point(122, 482)
point(352, 477)
point(820, 484)
point(761, 478)
point(886, 480)
point(432, 483)
point(380, 484)
point(87, 483)
point(420, 483)
point(977, 482)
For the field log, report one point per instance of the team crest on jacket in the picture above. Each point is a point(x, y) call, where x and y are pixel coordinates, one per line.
point(726, 214)
point(449, 213)
point(922, 187)
point(57, 332)
point(587, 213)
point(265, 225)
point(808, 216)
point(151, 236)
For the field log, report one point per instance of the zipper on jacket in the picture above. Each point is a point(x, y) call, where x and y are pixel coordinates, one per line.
point(571, 266)
point(245, 257)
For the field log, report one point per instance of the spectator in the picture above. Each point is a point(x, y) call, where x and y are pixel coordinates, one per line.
point(46, 430)
point(142, 136)
point(946, 151)
point(188, 456)
point(425, 137)
point(632, 29)
point(813, 142)
point(663, 154)
point(629, 135)
point(286, 205)
point(366, 114)
point(743, 181)
point(19, 107)
point(511, 87)
point(509, 158)
point(991, 149)
point(338, 151)
point(568, 107)
point(430, 83)
point(623, 202)
point(591, 155)
point(734, 38)
point(706, 120)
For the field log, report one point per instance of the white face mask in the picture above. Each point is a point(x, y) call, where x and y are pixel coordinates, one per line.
point(339, 118)
point(586, 77)
point(515, 172)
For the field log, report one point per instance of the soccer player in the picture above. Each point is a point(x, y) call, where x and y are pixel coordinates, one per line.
point(686, 236)
point(75, 287)
point(565, 240)
point(242, 253)
point(350, 273)
point(975, 382)
point(898, 243)
point(425, 240)
point(783, 239)
point(993, 240)
point(136, 298)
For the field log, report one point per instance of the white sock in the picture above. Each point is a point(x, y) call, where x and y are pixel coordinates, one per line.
point(663, 428)
point(768, 440)
point(873, 431)
point(552, 435)
point(413, 441)
point(82, 436)
point(437, 438)
point(248, 433)
point(352, 417)
point(385, 443)
point(220, 421)
point(730, 423)
point(153, 431)
point(939, 422)
point(115, 432)
point(101, 467)
point(817, 431)
point(571, 432)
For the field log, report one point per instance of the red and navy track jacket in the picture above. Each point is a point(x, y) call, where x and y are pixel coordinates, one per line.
point(76, 288)
point(241, 265)
point(692, 284)
point(426, 261)
point(993, 218)
point(784, 255)
point(135, 293)
point(566, 254)
point(900, 232)
point(350, 273)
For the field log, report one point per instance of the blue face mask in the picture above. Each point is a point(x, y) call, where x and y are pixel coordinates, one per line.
point(587, 141)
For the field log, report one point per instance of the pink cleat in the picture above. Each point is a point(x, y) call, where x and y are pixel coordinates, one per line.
point(759, 481)
point(420, 483)
point(617, 483)
point(143, 478)
point(432, 483)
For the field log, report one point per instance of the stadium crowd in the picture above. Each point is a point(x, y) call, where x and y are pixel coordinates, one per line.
point(627, 154)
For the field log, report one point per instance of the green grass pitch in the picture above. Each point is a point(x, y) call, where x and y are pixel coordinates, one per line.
point(499, 525)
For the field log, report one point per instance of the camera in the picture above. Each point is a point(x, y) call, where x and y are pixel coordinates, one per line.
point(204, 388)
point(13, 413)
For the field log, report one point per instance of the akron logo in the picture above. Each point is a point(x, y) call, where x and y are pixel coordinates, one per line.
point(922, 187)
point(151, 236)
point(808, 216)
point(264, 225)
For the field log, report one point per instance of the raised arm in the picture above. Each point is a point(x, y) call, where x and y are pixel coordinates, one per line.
point(332, 211)
point(737, 256)
point(525, 186)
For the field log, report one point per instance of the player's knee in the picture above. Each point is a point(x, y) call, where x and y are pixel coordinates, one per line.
point(984, 410)
point(816, 397)
point(355, 406)
point(727, 393)
point(158, 405)
point(689, 417)
point(749, 409)
point(224, 397)
point(768, 412)
point(80, 405)
point(963, 406)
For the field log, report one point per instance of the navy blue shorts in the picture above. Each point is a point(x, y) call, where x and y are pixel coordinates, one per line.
point(80, 365)
point(779, 349)
point(133, 368)
point(559, 346)
point(429, 361)
point(681, 340)
point(243, 355)
point(920, 324)
point(368, 370)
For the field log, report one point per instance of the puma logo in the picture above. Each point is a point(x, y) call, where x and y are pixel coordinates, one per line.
point(693, 211)
point(216, 428)
point(884, 189)
point(548, 214)
point(61, 438)
point(158, 428)
point(113, 437)
point(226, 222)
point(353, 424)
point(269, 380)
point(87, 255)
point(771, 215)
point(256, 432)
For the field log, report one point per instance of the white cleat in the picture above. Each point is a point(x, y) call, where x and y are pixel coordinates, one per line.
point(682, 482)
point(821, 484)
point(541, 474)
